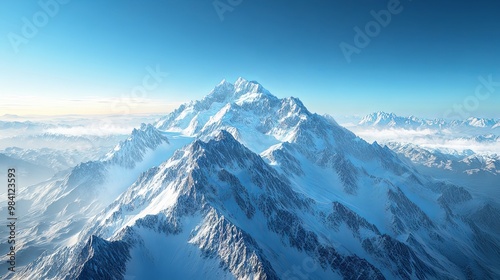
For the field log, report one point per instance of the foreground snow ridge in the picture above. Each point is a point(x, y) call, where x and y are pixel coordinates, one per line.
point(250, 186)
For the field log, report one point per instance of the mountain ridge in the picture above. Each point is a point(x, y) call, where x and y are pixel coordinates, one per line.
point(264, 185)
point(382, 119)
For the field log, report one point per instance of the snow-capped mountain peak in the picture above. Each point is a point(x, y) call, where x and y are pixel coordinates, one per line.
point(376, 117)
point(480, 122)
point(133, 149)
point(243, 86)
point(389, 119)
point(242, 109)
point(226, 92)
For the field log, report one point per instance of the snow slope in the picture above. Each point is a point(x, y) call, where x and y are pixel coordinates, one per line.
point(266, 189)
point(54, 211)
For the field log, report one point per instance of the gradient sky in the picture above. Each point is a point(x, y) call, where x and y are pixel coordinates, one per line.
point(90, 55)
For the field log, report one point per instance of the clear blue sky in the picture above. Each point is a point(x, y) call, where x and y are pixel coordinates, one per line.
point(89, 53)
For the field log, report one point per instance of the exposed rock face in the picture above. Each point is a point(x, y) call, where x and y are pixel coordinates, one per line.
point(268, 190)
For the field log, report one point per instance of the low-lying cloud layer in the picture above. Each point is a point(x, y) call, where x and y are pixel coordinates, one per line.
point(444, 140)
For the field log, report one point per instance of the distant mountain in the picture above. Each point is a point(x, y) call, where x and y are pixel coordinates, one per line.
point(27, 172)
point(10, 116)
point(382, 119)
point(466, 161)
point(23, 125)
point(134, 148)
point(386, 120)
point(55, 159)
point(480, 173)
point(264, 189)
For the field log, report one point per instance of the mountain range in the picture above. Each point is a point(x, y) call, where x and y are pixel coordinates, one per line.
point(462, 152)
point(383, 119)
point(244, 185)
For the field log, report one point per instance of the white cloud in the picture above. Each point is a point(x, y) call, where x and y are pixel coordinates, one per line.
point(428, 138)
